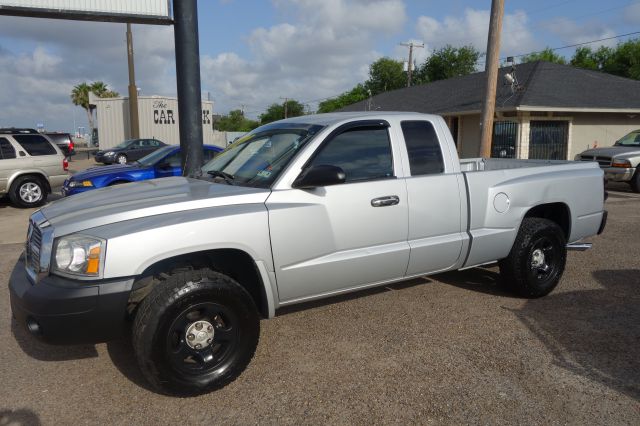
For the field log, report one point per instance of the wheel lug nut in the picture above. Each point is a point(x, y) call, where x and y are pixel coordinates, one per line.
point(199, 326)
point(191, 337)
point(198, 346)
point(209, 340)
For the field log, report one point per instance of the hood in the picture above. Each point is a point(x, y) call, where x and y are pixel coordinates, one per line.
point(143, 199)
point(95, 172)
point(611, 151)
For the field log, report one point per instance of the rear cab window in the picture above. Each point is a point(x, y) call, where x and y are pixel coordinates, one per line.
point(7, 151)
point(35, 145)
point(423, 147)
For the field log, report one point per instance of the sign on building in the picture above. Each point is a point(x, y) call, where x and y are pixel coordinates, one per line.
point(138, 11)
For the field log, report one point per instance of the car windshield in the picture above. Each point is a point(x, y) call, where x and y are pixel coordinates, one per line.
point(124, 144)
point(258, 158)
point(632, 139)
point(155, 156)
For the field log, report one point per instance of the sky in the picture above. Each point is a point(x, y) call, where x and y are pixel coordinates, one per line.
point(253, 53)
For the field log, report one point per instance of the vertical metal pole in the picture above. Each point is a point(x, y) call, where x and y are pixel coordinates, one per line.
point(491, 71)
point(410, 65)
point(185, 14)
point(134, 123)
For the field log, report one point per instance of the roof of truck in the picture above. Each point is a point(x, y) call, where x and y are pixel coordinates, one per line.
point(336, 117)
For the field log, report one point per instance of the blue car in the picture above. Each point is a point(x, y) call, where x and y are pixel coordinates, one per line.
point(164, 162)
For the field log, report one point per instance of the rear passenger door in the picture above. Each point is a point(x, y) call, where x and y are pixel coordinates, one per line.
point(435, 226)
point(9, 163)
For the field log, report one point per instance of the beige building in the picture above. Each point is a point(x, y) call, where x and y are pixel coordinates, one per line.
point(550, 111)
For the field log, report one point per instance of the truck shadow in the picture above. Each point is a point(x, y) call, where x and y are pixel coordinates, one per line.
point(20, 417)
point(591, 333)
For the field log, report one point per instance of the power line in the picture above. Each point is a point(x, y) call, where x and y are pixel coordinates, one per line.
point(567, 46)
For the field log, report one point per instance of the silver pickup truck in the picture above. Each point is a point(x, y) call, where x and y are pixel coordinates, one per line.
point(296, 210)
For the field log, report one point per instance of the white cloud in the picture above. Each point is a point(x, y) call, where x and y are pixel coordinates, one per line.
point(571, 32)
point(472, 28)
point(52, 56)
point(324, 49)
point(632, 14)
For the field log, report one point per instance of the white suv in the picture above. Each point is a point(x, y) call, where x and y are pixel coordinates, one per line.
point(30, 165)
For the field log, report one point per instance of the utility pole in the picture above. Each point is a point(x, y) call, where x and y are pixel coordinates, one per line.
point(491, 71)
point(411, 45)
point(185, 15)
point(134, 123)
point(286, 101)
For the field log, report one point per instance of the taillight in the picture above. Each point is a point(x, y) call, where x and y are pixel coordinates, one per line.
point(65, 165)
point(70, 146)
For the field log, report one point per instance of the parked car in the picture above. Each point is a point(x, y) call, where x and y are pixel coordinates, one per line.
point(30, 165)
point(63, 141)
point(129, 150)
point(299, 209)
point(620, 162)
point(161, 163)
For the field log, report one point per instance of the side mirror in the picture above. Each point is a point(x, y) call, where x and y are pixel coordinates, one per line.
point(321, 175)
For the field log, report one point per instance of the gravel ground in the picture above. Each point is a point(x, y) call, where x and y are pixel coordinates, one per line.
point(451, 348)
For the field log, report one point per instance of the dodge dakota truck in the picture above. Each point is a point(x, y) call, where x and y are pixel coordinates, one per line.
point(296, 210)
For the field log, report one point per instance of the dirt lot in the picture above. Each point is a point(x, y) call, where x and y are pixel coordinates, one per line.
point(448, 349)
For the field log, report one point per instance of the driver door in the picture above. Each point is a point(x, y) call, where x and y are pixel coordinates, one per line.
point(336, 238)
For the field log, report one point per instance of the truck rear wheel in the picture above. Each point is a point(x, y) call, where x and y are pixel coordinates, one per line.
point(537, 259)
point(195, 332)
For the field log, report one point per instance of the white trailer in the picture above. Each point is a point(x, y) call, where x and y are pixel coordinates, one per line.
point(158, 118)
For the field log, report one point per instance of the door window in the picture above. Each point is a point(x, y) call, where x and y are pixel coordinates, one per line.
point(6, 150)
point(423, 147)
point(35, 145)
point(364, 153)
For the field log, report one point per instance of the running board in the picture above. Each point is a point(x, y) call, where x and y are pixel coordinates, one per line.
point(579, 246)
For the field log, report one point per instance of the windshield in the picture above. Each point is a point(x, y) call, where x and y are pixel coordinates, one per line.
point(123, 144)
point(258, 158)
point(632, 139)
point(155, 156)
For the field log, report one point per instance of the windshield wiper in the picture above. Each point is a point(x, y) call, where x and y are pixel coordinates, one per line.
point(228, 178)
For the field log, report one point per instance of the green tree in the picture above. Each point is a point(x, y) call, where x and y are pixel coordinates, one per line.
point(385, 74)
point(357, 94)
point(275, 112)
point(584, 57)
point(80, 96)
point(547, 55)
point(235, 121)
point(448, 62)
point(623, 60)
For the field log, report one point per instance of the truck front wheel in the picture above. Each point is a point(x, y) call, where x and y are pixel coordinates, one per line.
point(537, 259)
point(195, 332)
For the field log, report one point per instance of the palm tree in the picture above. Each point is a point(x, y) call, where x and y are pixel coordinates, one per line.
point(80, 97)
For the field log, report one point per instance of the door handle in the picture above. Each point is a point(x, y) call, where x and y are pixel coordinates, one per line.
point(390, 200)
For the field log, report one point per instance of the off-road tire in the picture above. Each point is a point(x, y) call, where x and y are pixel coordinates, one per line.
point(17, 186)
point(517, 271)
point(177, 295)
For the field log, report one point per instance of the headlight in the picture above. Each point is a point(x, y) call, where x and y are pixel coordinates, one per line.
point(79, 255)
point(76, 184)
point(110, 153)
point(625, 164)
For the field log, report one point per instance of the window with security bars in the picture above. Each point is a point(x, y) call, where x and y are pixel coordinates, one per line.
point(505, 135)
point(548, 140)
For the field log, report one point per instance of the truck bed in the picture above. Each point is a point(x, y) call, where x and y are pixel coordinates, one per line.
point(482, 164)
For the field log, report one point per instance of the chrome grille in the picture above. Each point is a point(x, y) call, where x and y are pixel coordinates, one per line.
point(34, 245)
point(602, 161)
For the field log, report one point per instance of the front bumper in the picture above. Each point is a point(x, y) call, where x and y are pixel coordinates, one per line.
point(64, 311)
point(619, 174)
